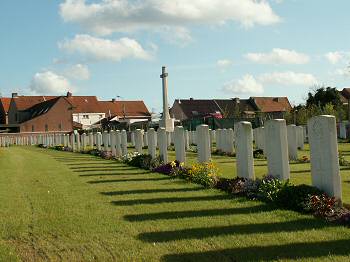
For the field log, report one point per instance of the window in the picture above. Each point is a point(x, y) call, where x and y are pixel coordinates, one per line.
point(85, 116)
point(46, 128)
point(33, 128)
point(60, 127)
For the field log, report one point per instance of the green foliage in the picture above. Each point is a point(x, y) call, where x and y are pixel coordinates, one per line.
point(141, 161)
point(321, 205)
point(323, 96)
point(204, 174)
point(294, 197)
point(270, 187)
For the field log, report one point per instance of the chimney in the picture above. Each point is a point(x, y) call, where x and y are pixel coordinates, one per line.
point(276, 99)
point(113, 100)
point(236, 100)
point(14, 95)
point(69, 94)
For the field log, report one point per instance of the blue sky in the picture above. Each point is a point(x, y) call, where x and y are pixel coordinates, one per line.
point(213, 48)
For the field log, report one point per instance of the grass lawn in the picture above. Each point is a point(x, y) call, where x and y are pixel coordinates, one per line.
point(58, 206)
point(300, 173)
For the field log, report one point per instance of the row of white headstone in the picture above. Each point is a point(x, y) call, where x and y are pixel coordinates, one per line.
point(279, 143)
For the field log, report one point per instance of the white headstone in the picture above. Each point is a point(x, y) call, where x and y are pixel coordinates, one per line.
point(203, 144)
point(124, 142)
point(180, 149)
point(113, 137)
point(292, 135)
point(276, 148)
point(244, 150)
point(138, 135)
point(163, 144)
point(324, 155)
point(152, 142)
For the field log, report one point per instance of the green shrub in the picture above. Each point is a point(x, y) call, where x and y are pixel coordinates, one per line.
point(269, 189)
point(294, 197)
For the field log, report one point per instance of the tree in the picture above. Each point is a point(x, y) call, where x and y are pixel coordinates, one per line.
point(323, 96)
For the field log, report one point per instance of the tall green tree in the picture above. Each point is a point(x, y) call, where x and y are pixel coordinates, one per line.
point(322, 96)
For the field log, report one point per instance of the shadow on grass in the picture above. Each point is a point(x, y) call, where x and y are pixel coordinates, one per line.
point(87, 164)
point(169, 200)
point(266, 253)
point(300, 171)
point(128, 180)
point(198, 213)
point(151, 191)
point(205, 232)
point(115, 174)
point(99, 169)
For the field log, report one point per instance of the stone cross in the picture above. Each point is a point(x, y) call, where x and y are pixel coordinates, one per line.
point(166, 121)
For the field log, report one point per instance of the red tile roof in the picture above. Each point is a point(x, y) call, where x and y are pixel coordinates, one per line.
point(84, 104)
point(129, 108)
point(198, 107)
point(25, 102)
point(272, 104)
point(5, 102)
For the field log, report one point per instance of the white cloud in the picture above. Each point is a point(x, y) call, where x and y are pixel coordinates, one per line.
point(105, 17)
point(338, 57)
point(244, 86)
point(49, 83)
point(345, 72)
point(224, 63)
point(279, 56)
point(78, 72)
point(288, 78)
point(99, 49)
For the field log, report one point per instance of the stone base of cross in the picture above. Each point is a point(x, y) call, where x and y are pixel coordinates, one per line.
point(169, 125)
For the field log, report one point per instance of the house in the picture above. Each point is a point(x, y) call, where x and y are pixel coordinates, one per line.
point(54, 115)
point(272, 107)
point(263, 107)
point(4, 109)
point(86, 110)
point(65, 113)
point(184, 109)
point(40, 113)
point(127, 112)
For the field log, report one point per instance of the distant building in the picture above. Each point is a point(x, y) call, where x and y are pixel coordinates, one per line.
point(266, 107)
point(124, 112)
point(4, 109)
point(65, 113)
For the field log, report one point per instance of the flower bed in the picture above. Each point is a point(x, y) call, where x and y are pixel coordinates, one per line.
point(300, 198)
